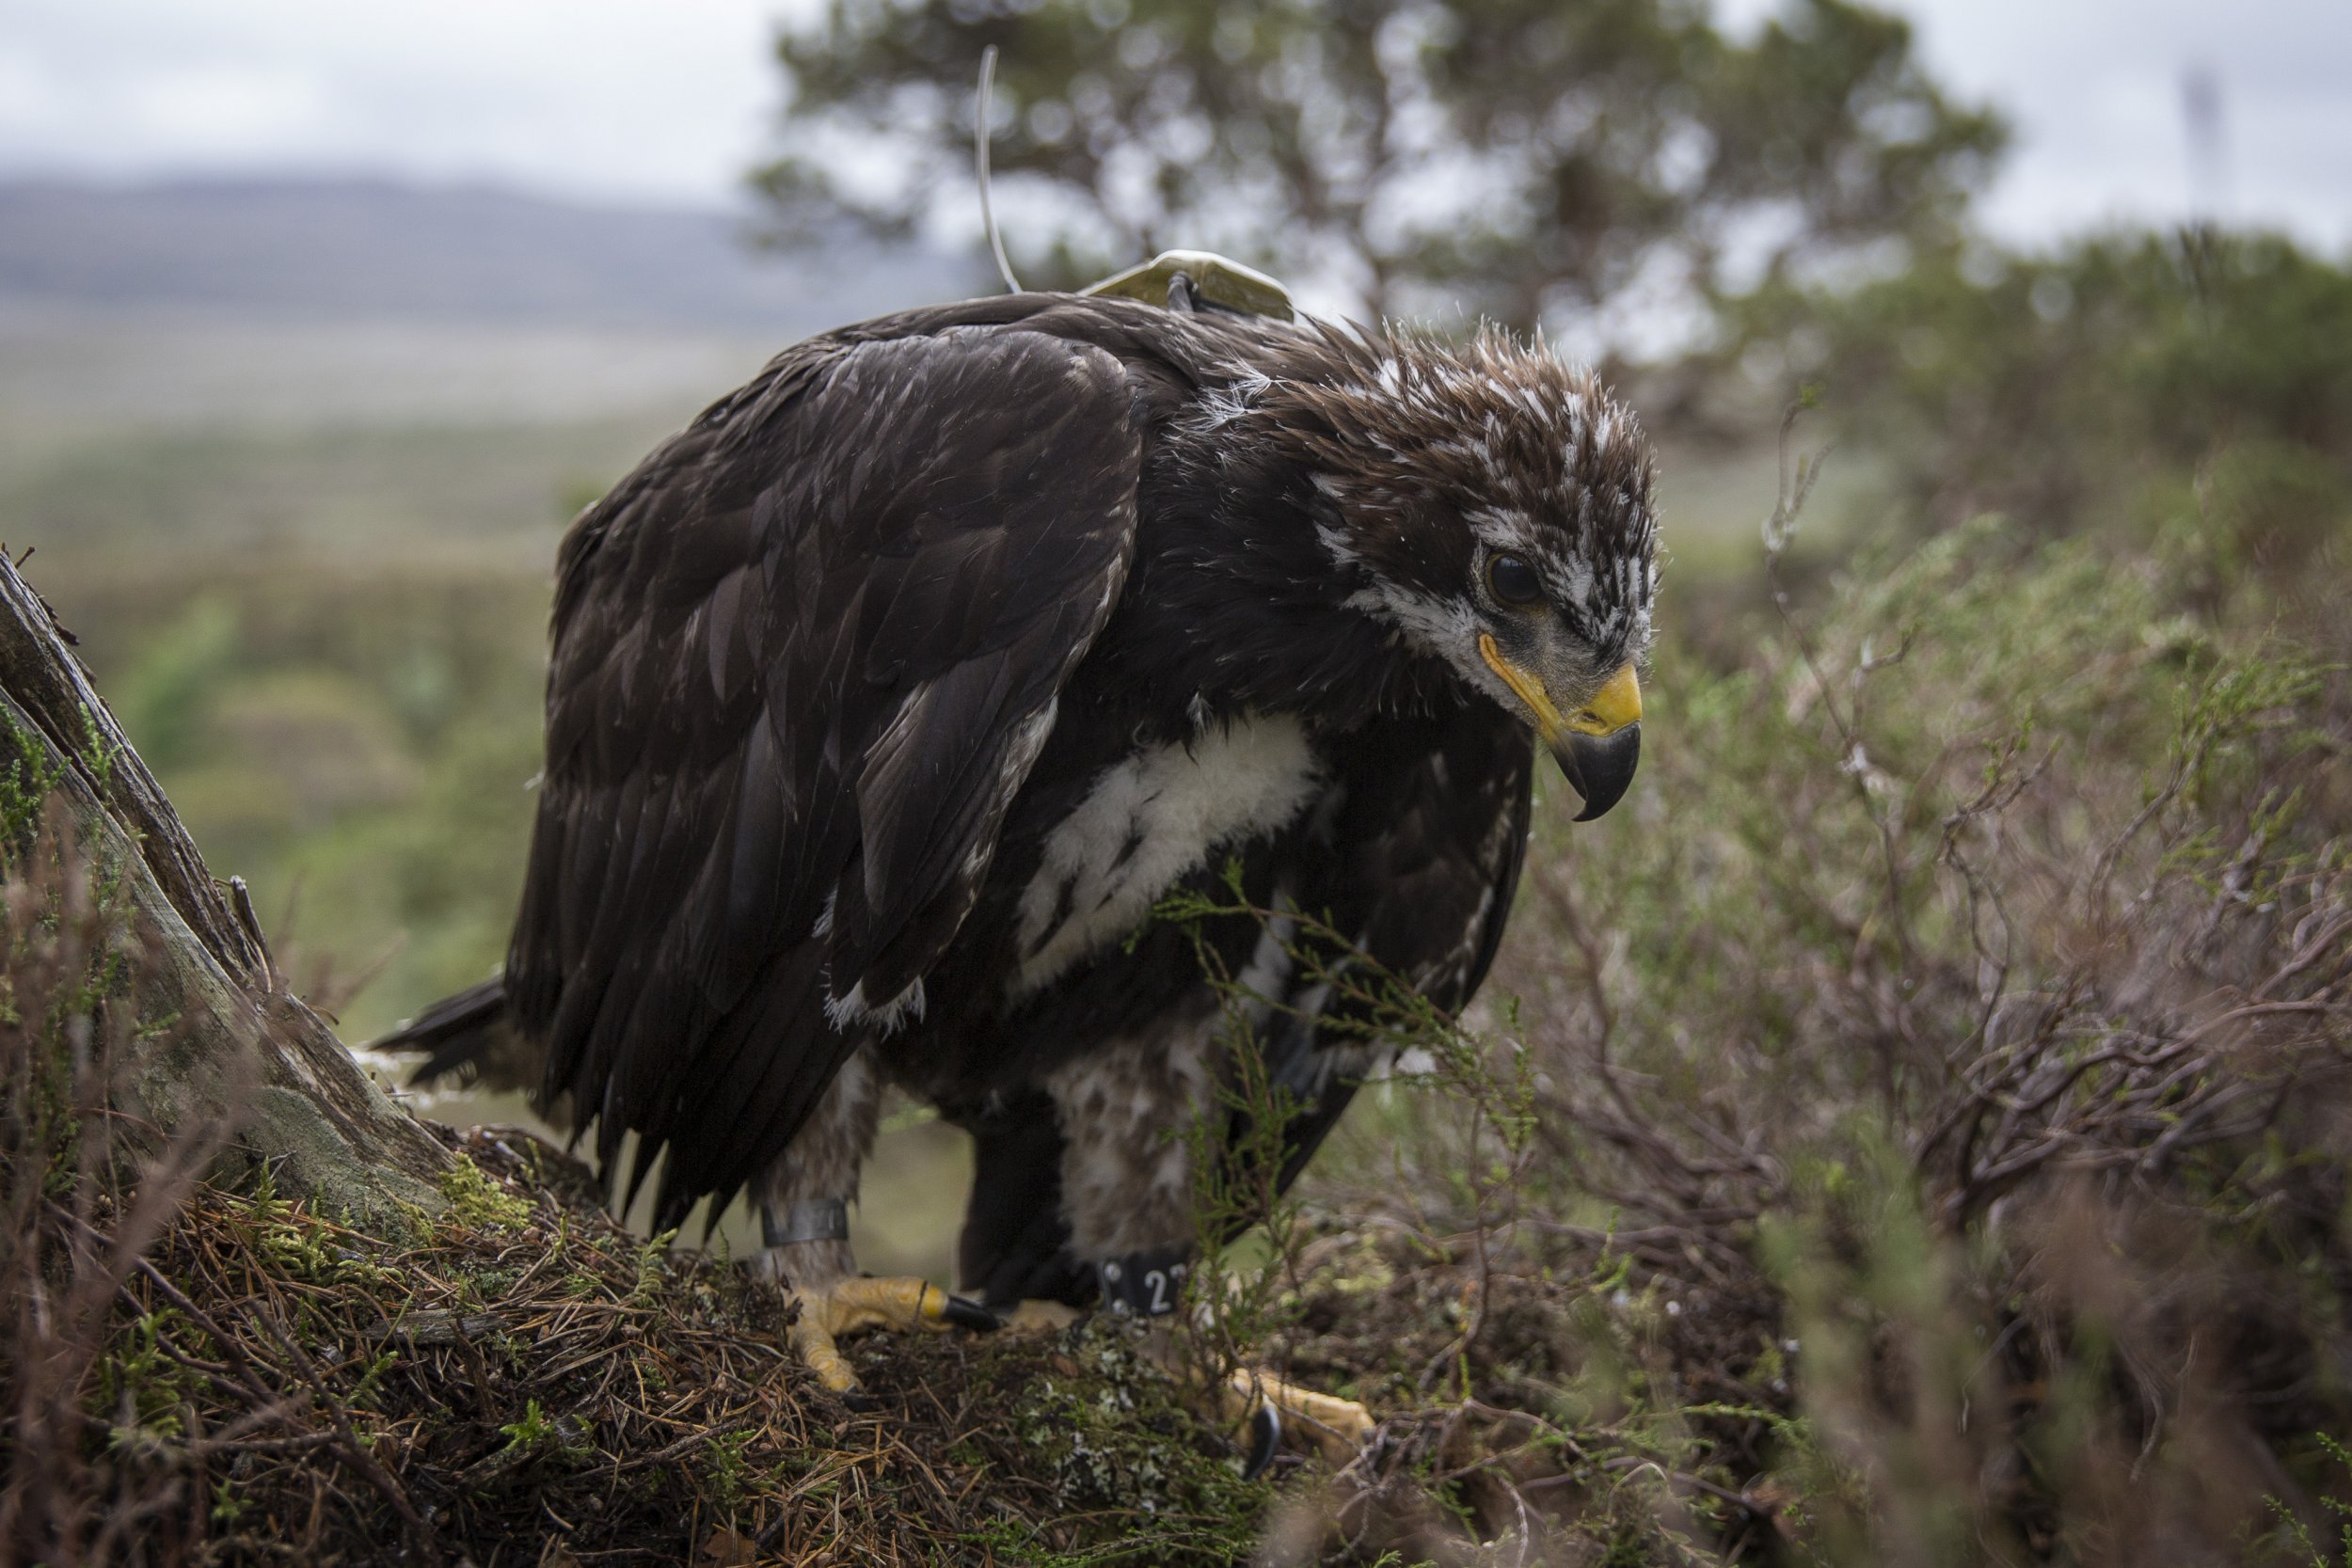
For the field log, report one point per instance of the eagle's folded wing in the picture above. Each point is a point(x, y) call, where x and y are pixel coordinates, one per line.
point(804, 657)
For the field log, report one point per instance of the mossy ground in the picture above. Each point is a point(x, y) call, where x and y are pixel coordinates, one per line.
point(519, 1380)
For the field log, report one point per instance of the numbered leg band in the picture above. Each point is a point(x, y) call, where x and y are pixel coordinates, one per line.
point(1143, 1284)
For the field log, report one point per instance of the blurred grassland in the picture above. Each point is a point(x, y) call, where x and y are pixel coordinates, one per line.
point(495, 494)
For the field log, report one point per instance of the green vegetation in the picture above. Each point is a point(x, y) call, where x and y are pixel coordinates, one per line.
point(1942, 1057)
point(475, 1200)
point(356, 743)
point(2198, 382)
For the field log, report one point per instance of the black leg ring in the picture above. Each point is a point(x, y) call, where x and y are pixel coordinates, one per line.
point(1144, 1284)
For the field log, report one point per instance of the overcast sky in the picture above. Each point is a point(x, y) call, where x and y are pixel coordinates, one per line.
point(668, 100)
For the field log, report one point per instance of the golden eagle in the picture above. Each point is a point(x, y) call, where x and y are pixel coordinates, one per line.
point(889, 696)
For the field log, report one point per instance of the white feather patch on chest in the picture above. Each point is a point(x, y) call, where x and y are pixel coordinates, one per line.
point(1150, 821)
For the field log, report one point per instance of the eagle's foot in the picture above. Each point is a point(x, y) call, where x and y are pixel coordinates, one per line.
point(1041, 1317)
point(847, 1306)
point(1339, 1428)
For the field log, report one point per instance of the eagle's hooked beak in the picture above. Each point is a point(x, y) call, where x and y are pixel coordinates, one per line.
point(1597, 747)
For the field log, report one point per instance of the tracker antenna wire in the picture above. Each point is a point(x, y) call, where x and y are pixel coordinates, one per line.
point(979, 160)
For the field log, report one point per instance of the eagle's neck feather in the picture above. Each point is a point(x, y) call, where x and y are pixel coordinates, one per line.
point(1236, 605)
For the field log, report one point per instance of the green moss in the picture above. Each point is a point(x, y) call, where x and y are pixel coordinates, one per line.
point(25, 785)
point(727, 1467)
point(141, 1390)
point(539, 1434)
point(479, 1203)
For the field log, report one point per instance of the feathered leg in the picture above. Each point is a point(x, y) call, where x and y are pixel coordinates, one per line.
point(804, 1201)
point(1123, 1110)
point(1127, 1186)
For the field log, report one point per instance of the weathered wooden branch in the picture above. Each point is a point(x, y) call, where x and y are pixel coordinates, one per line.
point(240, 1050)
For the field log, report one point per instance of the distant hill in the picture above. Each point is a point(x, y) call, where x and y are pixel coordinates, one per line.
point(343, 250)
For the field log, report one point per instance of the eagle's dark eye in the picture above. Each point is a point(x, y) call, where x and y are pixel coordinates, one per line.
point(1513, 581)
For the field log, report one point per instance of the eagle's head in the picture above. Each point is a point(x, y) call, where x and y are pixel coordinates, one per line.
point(1492, 506)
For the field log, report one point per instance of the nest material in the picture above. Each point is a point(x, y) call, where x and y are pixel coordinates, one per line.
point(523, 1380)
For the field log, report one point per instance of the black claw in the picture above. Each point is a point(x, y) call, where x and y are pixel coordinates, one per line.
point(964, 1312)
point(1265, 1441)
point(860, 1402)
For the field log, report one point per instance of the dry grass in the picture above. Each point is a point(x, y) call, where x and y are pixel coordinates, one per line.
point(72, 1230)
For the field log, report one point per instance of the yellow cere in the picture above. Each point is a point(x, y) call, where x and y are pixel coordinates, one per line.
point(1612, 707)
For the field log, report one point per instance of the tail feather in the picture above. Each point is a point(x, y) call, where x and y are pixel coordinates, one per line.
point(468, 1031)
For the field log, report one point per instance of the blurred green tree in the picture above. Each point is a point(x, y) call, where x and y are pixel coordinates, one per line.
point(1529, 161)
point(2201, 379)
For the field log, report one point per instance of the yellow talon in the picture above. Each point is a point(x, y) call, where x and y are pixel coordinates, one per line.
point(1339, 1427)
point(815, 1348)
point(832, 1312)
